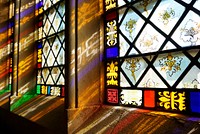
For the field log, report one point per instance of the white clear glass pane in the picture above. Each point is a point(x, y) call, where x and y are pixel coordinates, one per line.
point(123, 81)
point(188, 33)
point(169, 46)
point(192, 79)
point(151, 80)
point(50, 59)
point(197, 4)
point(150, 40)
point(131, 97)
point(187, 1)
point(124, 46)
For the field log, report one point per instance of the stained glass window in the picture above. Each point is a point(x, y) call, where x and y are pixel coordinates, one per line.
point(51, 47)
point(152, 54)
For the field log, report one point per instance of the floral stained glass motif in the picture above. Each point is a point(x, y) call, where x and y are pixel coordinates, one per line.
point(150, 40)
point(188, 32)
point(167, 14)
point(134, 68)
point(172, 100)
point(171, 66)
point(112, 74)
point(131, 25)
point(145, 6)
point(111, 33)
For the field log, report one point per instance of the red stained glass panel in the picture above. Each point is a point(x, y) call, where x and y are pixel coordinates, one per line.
point(112, 95)
point(149, 98)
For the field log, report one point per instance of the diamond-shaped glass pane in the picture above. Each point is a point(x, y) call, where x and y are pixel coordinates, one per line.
point(133, 68)
point(150, 40)
point(171, 66)
point(131, 25)
point(151, 80)
point(145, 6)
point(197, 4)
point(45, 74)
point(192, 79)
point(188, 33)
point(167, 14)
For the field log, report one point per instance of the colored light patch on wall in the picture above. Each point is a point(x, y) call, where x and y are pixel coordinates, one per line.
point(112, 52)
point(112, 95)
point(149, 98)
point(195, 102)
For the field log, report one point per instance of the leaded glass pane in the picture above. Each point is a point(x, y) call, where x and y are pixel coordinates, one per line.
point(171, 66)
point(133, 69)
point(123, 81)
point(149, 98)
point(151, 80)
point(131, 25)
point(150, 40)
point(167, 14)
point(197, 4)
point(111, 33)
point(112, 96)
point(187, 1)
point(109, 4)
point(158, 60)
point(192, 79)
point(188, 33)
point(195, 102)
point(131, 97)
point(172, 100)
point(169, 46)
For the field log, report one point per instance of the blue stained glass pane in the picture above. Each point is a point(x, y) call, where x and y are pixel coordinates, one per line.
point(39, 45)
point(49, 90)
point(112, 52)
point(195, 102)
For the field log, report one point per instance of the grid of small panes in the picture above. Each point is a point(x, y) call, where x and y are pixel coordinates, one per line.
point(152, 54)
point(50, 47)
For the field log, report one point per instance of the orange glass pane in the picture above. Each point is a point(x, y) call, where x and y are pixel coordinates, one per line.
point(149, 98)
